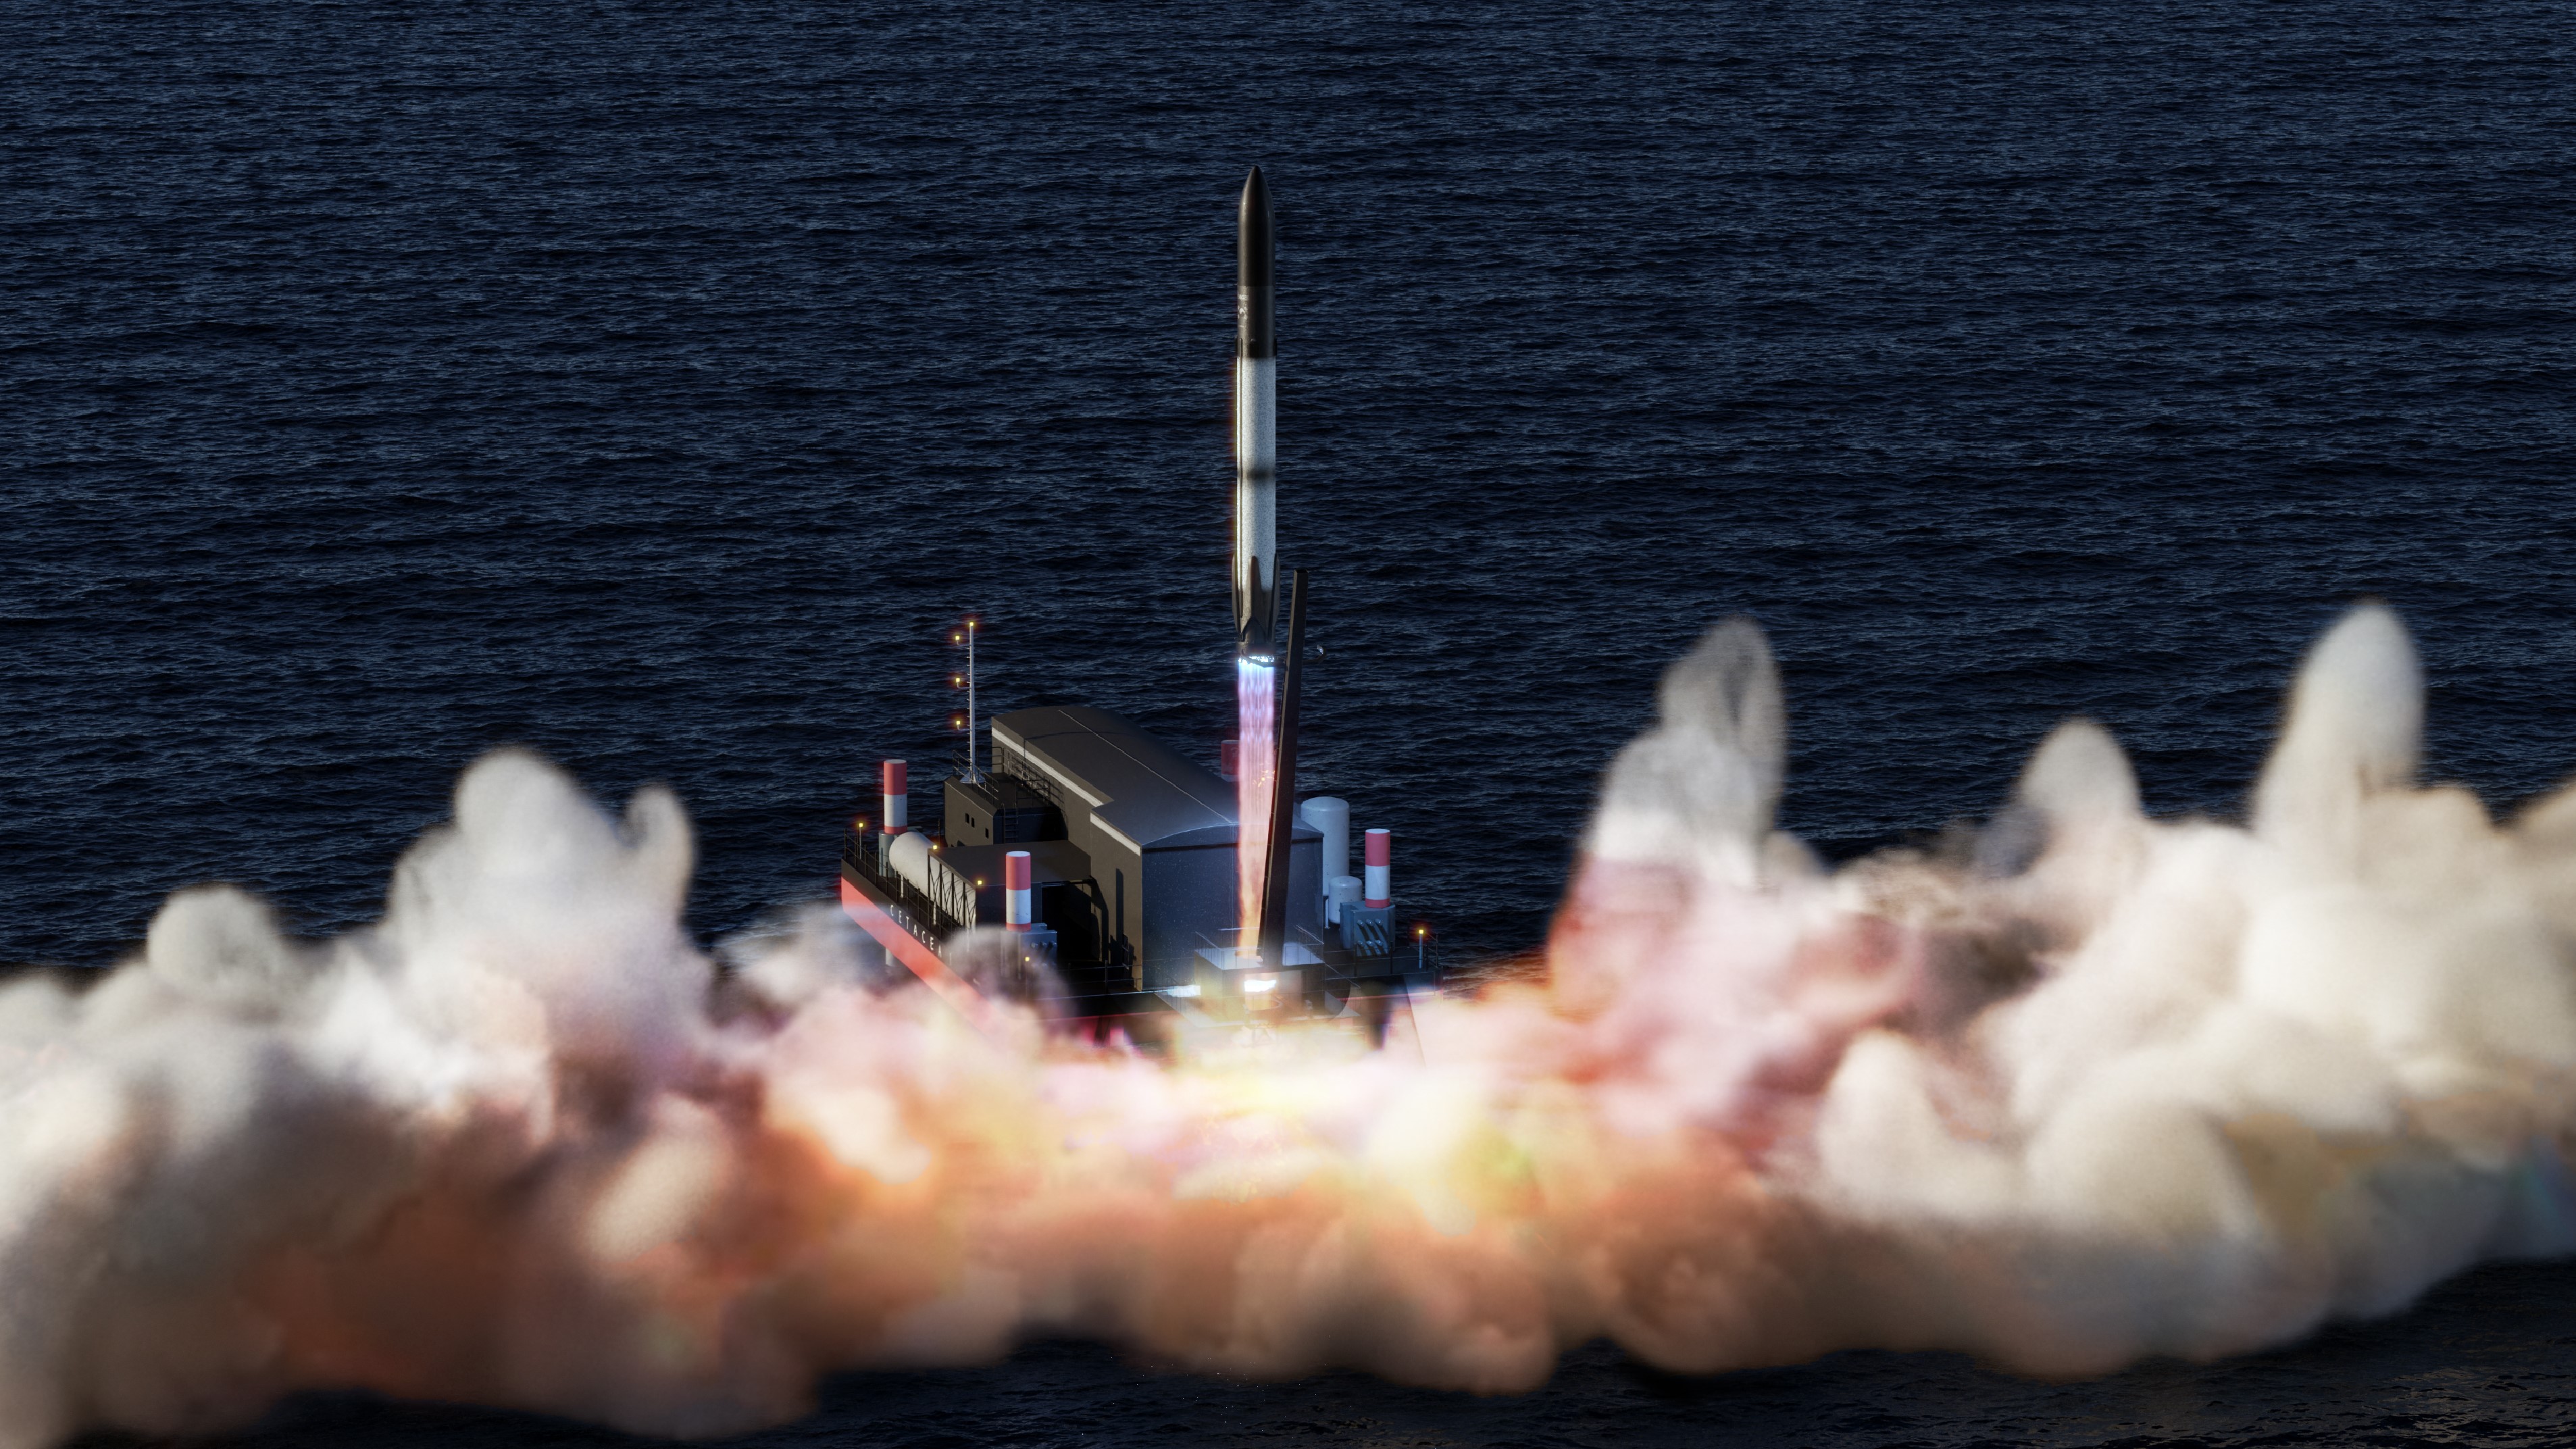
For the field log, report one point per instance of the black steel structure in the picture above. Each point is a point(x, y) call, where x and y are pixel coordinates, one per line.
point(1282, 823)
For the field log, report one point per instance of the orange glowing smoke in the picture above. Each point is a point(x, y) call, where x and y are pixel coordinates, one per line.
point(2100, 1087)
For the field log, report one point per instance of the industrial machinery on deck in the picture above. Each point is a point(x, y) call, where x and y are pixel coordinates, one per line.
point(1126, 850)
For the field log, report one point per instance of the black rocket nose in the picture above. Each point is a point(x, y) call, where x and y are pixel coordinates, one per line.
point(1253, 241)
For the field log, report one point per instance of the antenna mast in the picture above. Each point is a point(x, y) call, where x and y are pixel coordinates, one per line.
point(966, 636)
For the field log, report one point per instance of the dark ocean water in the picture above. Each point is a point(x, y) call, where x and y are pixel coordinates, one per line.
point(653, 384)
point(2484, 1363)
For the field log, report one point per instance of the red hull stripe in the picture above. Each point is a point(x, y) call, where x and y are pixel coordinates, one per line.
point(924, 963)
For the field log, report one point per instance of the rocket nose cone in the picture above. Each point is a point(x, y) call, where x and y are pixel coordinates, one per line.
point(1254, 244)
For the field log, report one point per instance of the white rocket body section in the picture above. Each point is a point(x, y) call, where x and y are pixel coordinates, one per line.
point(1256, 493)
point(1256, 427)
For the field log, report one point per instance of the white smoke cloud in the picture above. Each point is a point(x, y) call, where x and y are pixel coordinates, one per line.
point(2095, 1087)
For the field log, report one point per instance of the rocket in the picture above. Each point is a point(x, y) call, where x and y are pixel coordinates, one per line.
point(1256, 455)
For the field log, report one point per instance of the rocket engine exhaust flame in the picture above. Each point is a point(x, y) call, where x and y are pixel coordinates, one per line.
point(2103, 1087)
point(1256, 777)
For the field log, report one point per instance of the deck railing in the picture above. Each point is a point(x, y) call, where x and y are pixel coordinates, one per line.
point(1019, 769)
point(932, 915)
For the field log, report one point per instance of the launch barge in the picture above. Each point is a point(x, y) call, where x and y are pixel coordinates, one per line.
point(1134, 883)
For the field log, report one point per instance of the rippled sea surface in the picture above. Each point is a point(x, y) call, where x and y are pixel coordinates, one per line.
point(653, 384)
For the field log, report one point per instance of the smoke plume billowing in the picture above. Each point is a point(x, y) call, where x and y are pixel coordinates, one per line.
point(2087, 1088)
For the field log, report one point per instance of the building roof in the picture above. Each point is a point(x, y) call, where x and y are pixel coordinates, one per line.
point(1132, 783)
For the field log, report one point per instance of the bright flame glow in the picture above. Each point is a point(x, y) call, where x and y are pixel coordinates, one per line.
point(2094, 1087)
point(1256, 697)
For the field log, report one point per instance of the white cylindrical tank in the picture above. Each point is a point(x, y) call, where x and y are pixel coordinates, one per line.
point(1380, 866)
point(1333, 818)
point(909, 856)
point(1345, 892)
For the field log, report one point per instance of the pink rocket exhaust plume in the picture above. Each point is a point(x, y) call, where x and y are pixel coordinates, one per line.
point(2104, 1087)
point(1256, 707)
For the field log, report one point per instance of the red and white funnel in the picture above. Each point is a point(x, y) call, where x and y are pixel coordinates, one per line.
point(896, 783)
point(1015, 890)
point(1379, 869)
